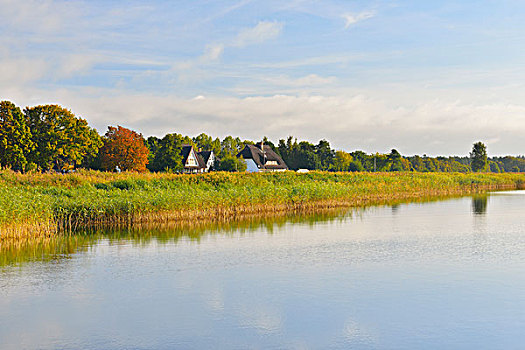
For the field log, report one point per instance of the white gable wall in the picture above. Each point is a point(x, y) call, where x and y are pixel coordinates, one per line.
point(192, 159)
point(251, 167)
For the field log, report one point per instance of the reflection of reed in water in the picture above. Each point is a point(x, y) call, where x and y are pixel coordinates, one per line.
point(479, 205)
point(63, 245)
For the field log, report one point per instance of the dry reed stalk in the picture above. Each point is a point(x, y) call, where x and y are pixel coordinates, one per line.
point(373, 189)
point(223, 213)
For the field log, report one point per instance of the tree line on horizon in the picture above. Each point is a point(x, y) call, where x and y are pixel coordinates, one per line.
point(50, 137)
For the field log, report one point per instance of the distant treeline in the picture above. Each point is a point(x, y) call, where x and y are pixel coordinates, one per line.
point(47, 137)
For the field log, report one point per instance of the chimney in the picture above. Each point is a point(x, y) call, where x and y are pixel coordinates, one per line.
point(264, 154)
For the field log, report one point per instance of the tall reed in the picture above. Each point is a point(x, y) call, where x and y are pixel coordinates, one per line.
point(42, 204)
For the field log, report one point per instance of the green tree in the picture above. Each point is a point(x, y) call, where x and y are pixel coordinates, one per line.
point(395, 160)
point(230, 146)
point(15, 137)
point(362, 161)
point(203, 141)
point(306, 156)
point(478, 157)
point(152, 143)
point(61, 139)
point(356, 165)
point(168, 154)
point(342, 161)
point(494, 167)
point(230, 163)
point(325, 154)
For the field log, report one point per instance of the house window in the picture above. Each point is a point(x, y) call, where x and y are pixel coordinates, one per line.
point(272, 162)
point(191, 161)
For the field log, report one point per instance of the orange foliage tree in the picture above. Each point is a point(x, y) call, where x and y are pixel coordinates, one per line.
point(124, 148)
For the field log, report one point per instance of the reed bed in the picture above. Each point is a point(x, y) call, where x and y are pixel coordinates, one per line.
point(40, 205)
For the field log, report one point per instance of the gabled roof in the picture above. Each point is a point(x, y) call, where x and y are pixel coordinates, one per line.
point(205, 155)
point(261, 158)
point(185, 152)
point(202, 162)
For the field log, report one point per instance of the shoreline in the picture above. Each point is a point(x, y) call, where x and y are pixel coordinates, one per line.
point(68, 203)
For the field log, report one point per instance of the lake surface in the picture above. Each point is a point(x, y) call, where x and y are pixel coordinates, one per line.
point(447, 274)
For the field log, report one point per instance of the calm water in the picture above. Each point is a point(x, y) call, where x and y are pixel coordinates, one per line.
point(440, 275)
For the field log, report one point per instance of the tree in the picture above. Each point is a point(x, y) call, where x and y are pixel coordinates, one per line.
point(396, 163)
point(356, 165)
point(362, 161)
point(325, 154)
point(168, 154)
point(231, 163)
point(15, 137)
point(124, 148)
point(478, 157)
point(342, 161)
point(494, 167)
point(230, 146)
point(207, 143)
point(61, 139)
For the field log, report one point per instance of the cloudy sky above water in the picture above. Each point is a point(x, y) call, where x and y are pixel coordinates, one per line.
point(424, 77)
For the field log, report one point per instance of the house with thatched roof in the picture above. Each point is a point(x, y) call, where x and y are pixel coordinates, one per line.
point(196, 162)
point(207, 159)
point(261, 157)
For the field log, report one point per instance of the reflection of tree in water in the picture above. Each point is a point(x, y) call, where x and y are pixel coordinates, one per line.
point(395, 208)
point(479, 205)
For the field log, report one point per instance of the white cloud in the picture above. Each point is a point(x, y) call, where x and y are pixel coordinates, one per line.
point(75, 64)
point(212, 52)
point(17, 72)
point(353, 18)
point(42, 16)
point(306, 81)
point(358, 121)
point(313, 61)
point(226, 11)
point(262, 32)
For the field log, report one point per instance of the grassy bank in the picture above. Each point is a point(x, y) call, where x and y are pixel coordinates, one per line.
point(41, 204)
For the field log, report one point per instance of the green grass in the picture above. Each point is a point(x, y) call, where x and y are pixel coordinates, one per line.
point(31, 203)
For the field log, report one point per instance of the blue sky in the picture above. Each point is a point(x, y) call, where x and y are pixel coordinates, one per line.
point(425, 77)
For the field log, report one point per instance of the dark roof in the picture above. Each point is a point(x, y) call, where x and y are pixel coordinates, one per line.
point(205, 155)
point(200, 159)
point(261, 158)
point(185, 152)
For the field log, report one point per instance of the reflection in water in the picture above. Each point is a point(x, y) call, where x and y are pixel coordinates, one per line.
point(413, 277)
point(479, 205)
point(395, 208)
point(63, 246)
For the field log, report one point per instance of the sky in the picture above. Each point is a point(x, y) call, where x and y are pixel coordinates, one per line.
point(423, 77)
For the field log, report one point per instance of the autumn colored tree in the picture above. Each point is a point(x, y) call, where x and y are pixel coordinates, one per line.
point(15, 137)
point(61, 139)
point(125, 149)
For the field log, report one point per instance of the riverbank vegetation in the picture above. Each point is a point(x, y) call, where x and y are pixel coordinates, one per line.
point(45, 203)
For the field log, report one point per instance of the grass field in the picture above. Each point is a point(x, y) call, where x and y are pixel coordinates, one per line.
point(43, 204)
